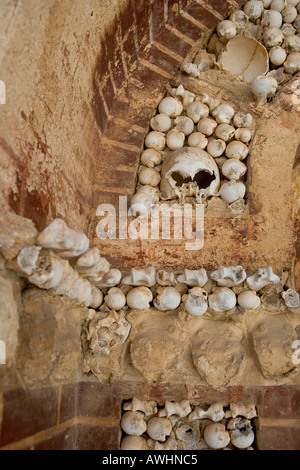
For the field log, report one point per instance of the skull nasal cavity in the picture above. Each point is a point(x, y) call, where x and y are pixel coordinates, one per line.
point(203, 179)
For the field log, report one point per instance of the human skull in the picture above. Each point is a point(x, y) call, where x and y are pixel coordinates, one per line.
point(189, 171)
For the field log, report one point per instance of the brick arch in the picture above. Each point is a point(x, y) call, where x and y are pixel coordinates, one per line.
point(140, 55)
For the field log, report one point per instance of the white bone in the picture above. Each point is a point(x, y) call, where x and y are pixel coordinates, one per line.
point(159, 428)
point(133, 423)
point(193, 278)
point(59, 237)
point(149, 408)
point(195, 302)
point(222, 300)
point(106, 331)
point(216, 436)
point(229, 276)
point(262, 278)
point(139, 298)
point(161, 123)
point(170, 106)
point(215, 413)
point(168, 298)
point(165, 278)
point(178, 408)
point(140, 277)
point(291, 298)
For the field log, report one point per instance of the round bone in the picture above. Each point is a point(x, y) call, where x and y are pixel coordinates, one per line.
point(222, 300)
point(133, 423)
point(168, 298)
point(139, 298)
point(216, 436)
point(171, 107)
point(159, 428)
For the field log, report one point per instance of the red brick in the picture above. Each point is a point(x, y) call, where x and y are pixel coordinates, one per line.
point(98, 401)
point(157, 9)
point(129, 49)
point(125, 181)
point(126, 19)
point(68, 402)
point(201, 14)
point(142, 12)
point(27, 412)
point(173, 42)
point(120, 132)
point(113, 157)
point(99, 109)
point(126, 110)
point(223, 7)
point(98, 437)
point(109, 94)
point(65, 440)
point(162, 60)
point(187, 28)
point(278, 438)
point(281, 402)
point(118, 68)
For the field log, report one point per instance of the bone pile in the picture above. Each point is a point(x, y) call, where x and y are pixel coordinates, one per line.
point(259, 44)
point(197, 147)
point(182, 426)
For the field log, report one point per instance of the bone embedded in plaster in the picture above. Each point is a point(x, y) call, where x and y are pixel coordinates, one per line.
point(150, 158)
point(264, 88)
point(133, 423)
point(106, 331)
point(249, 300)
point(168, 298)
point(181, 409)
point(262, 278)
point(195, 302)
point(234, 169)
point(110, 279)
point(141, 277)
point(193, 278)
point(222, 300)
point(170, 106)
point(237, 409)
point(215, 413)
point(92, 266)
point(27, 258)
point(165, 278)
point(134, 443)
point(229, 276)
point(291, 298)
point(216, 436)
point(148, 407)
point(115, 298)
point(159, 428)
point(139, 298)
point(59, 237)
point(232, 191)
point(241, 434)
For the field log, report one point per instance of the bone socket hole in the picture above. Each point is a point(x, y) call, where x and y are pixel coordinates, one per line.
point(203, 179)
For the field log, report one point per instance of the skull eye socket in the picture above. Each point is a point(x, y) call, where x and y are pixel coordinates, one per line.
point(202, 178)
